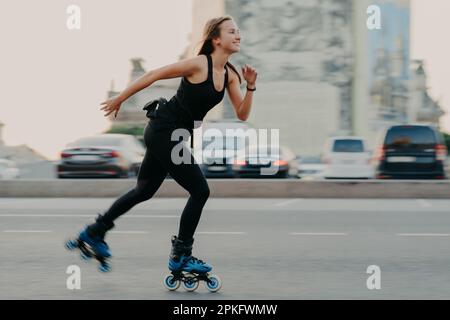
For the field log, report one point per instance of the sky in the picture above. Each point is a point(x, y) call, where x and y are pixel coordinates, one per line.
point(53, 79)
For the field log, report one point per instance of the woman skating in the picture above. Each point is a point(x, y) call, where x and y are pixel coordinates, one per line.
point(205, 79)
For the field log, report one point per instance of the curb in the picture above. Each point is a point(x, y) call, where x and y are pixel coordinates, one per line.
point(236, 188)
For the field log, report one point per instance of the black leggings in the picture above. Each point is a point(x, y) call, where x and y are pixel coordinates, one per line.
point(156, 164)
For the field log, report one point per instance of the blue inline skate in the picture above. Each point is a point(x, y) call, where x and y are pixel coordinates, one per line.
point(91, 244)
point(188, 270)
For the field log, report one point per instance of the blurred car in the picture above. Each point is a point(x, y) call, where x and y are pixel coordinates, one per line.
point(251, 161)
point(8, 169)
point(104, 155)
point(310, 167)
point(347, 157)
point(218, 162)
point(411, 151)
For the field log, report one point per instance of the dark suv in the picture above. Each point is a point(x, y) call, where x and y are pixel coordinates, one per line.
point(411, 151)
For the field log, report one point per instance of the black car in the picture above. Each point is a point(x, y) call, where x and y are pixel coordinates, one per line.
point(218, 162)
point(411, 151)
point(104, 155)
point(266, 161)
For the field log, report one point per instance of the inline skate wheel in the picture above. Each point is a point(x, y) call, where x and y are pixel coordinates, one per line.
point(104, 267)
point(85, 256)
point(214, 284)
point(71, 245)
point(170, 283)
point(190, 283)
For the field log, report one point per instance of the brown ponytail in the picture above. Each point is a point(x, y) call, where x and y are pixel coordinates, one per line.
point(211, 31)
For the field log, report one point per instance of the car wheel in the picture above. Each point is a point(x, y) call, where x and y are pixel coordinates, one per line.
point(284, 175)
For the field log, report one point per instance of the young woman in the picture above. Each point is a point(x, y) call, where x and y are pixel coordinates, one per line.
point(204, 81)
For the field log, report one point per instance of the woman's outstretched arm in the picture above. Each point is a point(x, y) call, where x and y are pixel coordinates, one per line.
point(182, 68)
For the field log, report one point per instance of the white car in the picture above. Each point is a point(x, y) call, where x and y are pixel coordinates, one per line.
point(8, 169)
point(347, 157)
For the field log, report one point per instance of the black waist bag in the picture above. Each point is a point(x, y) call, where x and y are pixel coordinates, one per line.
point(161, 115)
point(152, 107)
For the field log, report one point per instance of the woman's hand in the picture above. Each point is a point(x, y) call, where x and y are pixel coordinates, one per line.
point(249, 74)
point(111, 105)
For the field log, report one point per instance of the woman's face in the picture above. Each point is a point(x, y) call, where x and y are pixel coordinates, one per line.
point(230, 38)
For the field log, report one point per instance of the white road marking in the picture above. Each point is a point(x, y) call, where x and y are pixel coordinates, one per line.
point(27, 231)
point(241, 233)
point(423, 203)
point(220, 232)
point(423, 234)
point(82, 216)
point(317, 234)
point(284, 203)
point(130, 232)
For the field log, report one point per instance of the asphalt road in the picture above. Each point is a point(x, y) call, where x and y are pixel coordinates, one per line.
point(261, 248)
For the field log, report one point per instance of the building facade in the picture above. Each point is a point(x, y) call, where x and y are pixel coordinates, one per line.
point(321, 70)
point(303, 53)
point(423, 108)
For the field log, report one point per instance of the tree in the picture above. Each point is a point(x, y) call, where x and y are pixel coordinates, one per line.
point(136, 131)
point(447, 139)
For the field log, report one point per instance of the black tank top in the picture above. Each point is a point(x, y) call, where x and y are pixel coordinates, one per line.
point(196, 99)
point(191, 102)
